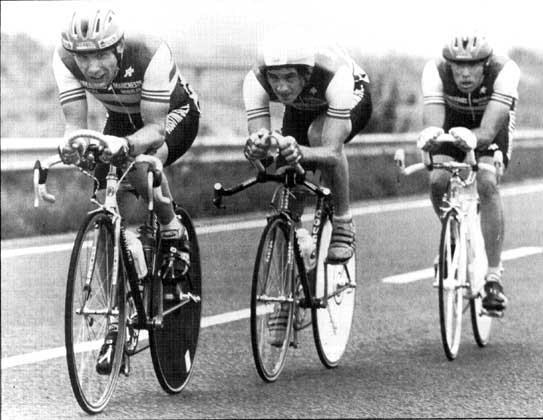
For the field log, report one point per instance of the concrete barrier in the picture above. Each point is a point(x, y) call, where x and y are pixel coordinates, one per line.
point(372, 175)
point(21, 153)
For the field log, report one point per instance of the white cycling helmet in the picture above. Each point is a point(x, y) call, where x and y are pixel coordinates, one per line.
point(467, 48)
point(287, 48)
point(92, 30)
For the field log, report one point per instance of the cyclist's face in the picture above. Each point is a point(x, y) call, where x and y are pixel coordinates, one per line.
point(467, 76)
point(99, 68)
point(286, 83)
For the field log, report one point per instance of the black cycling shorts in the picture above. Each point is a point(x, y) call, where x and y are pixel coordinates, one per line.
point(296, 123)
point(181, 130)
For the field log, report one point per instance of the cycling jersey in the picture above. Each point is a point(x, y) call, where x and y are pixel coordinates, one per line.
point(500, 83)
point(321, 93)
point(147, 72)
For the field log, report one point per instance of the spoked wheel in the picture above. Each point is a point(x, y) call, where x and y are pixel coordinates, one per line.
point(272, 303)
point(93, 304)
point(173, 346)
point(452, 272)
point(480, 322)
point(335, 286)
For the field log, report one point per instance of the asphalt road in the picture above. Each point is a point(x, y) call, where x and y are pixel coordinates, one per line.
point(394, 365)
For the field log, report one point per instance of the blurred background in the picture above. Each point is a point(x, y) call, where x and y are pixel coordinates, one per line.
point(214, 43)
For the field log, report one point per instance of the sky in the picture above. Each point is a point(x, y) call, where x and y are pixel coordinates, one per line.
point(413, 27)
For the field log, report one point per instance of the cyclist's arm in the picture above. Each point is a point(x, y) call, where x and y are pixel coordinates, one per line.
point(159, 82)
point(72, 96)
point(257, 104)
point(501, 103)
point(337, 122)
point(434, 101)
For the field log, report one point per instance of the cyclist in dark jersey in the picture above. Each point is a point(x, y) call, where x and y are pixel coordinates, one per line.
point(472, 94)
point(150, 109)
point(327, 102)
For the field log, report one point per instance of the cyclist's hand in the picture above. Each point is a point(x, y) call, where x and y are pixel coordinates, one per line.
point(71, 154)
point(427, 138)
point(256, 146)
point(465, 139)
point(290, 150)
point(116, 151)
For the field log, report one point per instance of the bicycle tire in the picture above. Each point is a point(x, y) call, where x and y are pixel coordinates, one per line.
point(332, 324)
point(173, 346)
point(92, 259)
point(272, 303)
point(481, 324)
point(452, 270)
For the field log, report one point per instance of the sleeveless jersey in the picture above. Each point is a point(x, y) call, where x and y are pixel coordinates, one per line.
point(315, 95)
point(147, 72)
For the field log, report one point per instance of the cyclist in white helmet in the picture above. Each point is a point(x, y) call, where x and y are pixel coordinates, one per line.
point(327, 102)
point(472, 93)
point(150, 109)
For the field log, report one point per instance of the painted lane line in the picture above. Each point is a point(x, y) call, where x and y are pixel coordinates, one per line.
point(428, 273)
point(253, 224)
point(209, 321)
point(48, 354)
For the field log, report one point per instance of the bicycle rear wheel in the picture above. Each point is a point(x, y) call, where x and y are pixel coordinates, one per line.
point(452, 272)
point(272, 304)
point(480, 322)
point(90, 296)
point(173, 346)
point(335, 286)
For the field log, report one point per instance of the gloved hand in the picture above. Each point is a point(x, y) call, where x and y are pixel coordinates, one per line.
point(290, 150)
point(427, 138)
point(116, 151)
point(71, 154)
point(465, 139)
point(256, 146)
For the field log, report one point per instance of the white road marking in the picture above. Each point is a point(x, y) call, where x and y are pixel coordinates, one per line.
point(225, 318)
point(428, 273)
point(48, 354)
point(252, 224)
point(228, 317)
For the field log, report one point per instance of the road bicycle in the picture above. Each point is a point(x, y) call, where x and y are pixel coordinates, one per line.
point(462, 257)
point(105, 288)
point(284, 291)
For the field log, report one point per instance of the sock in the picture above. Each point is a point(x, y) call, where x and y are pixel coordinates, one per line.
point(344, 218)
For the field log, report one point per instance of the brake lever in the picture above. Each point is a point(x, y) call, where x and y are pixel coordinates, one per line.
point(218, 190)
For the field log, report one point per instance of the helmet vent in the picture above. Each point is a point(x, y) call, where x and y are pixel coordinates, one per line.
point(97, 26)
point(84, 28)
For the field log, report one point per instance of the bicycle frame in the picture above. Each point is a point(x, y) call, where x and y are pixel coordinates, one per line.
point(110, 206)
point(289, 179)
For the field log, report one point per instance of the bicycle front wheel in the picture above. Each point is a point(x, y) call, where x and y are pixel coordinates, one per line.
point(173, 346)
point(94, 302)
point(335, 286)
point(452, 274)
point(272, 303)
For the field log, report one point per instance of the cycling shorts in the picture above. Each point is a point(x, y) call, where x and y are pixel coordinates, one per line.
point(180, 134)
point(296, 123)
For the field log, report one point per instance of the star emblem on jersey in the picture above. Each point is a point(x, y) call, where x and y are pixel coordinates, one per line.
point(129, 72)
point(313, 91)
point(483, 90)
